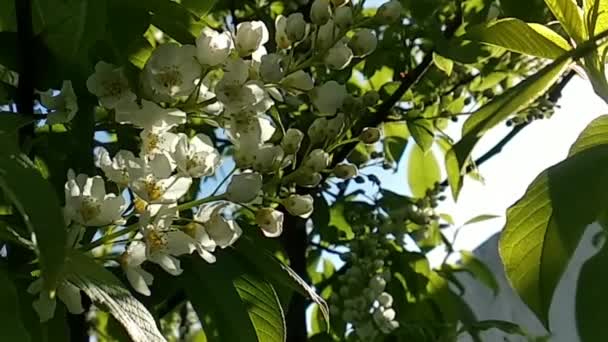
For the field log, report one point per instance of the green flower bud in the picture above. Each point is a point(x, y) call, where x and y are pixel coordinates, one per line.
point(370, 135)
point(363, 42)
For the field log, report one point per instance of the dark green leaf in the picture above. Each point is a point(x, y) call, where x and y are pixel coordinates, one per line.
point(516, 35)
point(106, 291)
point(396, 135)
point(592, 299)
point(11, 326)
point(174, 20)
point(422, 132)
point(25, 187)
point(544, 227)
point(422, 171)
point(198, 7)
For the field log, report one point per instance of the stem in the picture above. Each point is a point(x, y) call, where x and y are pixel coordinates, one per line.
point(217, 188)
point(196, 203)
point(107, 238)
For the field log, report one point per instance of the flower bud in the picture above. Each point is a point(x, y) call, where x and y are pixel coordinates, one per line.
point(212, 47)
point(352, 104)
point(385, 299)
point(268, 158)
point(371, 98)
point(292, 140)
point(338, 3)
point(320, 12)
point(296, 27)
point(363, 42)
point(338, 57)
point(370, 135)
point(280, 35)
point(328, 97)
point(326, 36)
point(299, 80)
point(345, 171)
point(299, 205)
point(244, 187)
point(343, 17)
point(389, 12)
point(250, 36)
point(377, 284)
point(270, 68)
point(270, 221)
point(307, 179)
point(317, 161)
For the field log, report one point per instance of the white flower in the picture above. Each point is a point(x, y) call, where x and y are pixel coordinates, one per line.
point(307, 178)
point(212, 47)
point(320, 12)
point(248, 132)
point(236, 72)
point(164, 243)
point(223, 232)
point(270, 221)
point(299, 205)
point(328, 97)
point(268, 158)
point(196, 157)
point(343, 17)
point(87, 203)
point(110, 85)
point(299, 80)
point(63, 105)
point(250, 36)
point(280, 35)
point(117, 169)
point(385, 299)
point(296, 27)
point(363, 42)
point(45, 305)
point(338, 57)
point(244, 187)
point(131, 261)
point(155, 142)
point(172, 70)
point(385, 319)
point(292, 140)
point(154, 183)
point(389, 12)
point(271, 69)
point(377, 284)
point(317, 160)
point(251, 96)
point(149, 116)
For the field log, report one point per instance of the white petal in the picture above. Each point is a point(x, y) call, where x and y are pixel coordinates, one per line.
point(139, 279)
point(176, 187)
point(169, 263)
point(70, 296)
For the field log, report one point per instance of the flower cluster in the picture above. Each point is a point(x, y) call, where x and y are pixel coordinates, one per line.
point(230, 81)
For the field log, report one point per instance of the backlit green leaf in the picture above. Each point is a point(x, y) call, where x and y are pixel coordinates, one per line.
point(422, 171)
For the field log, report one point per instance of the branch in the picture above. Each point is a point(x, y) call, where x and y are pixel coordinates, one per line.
point(554, 94)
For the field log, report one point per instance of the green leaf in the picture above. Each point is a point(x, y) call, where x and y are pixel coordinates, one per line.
point(422, 132)
point(107, 292)
point(395, 139)
point(480, 218)
point(508, 327)
point(11, 326)
point(23, 185)
point(516, 35)
point(198, 7)
point(479, 270)
point(591, 299)
point(494, 112)
point(444, 64)
point(173, 19)
point(570, 16)
point(241, 307)
point(264, 308)
point(10, 123)
point(544, 227)
point(275, 270)
point(422, 171)
point(595, 134)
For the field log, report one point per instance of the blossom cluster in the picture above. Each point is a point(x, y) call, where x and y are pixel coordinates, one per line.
point(229, 80)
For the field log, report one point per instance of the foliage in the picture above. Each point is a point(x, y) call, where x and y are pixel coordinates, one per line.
point(206, 170)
